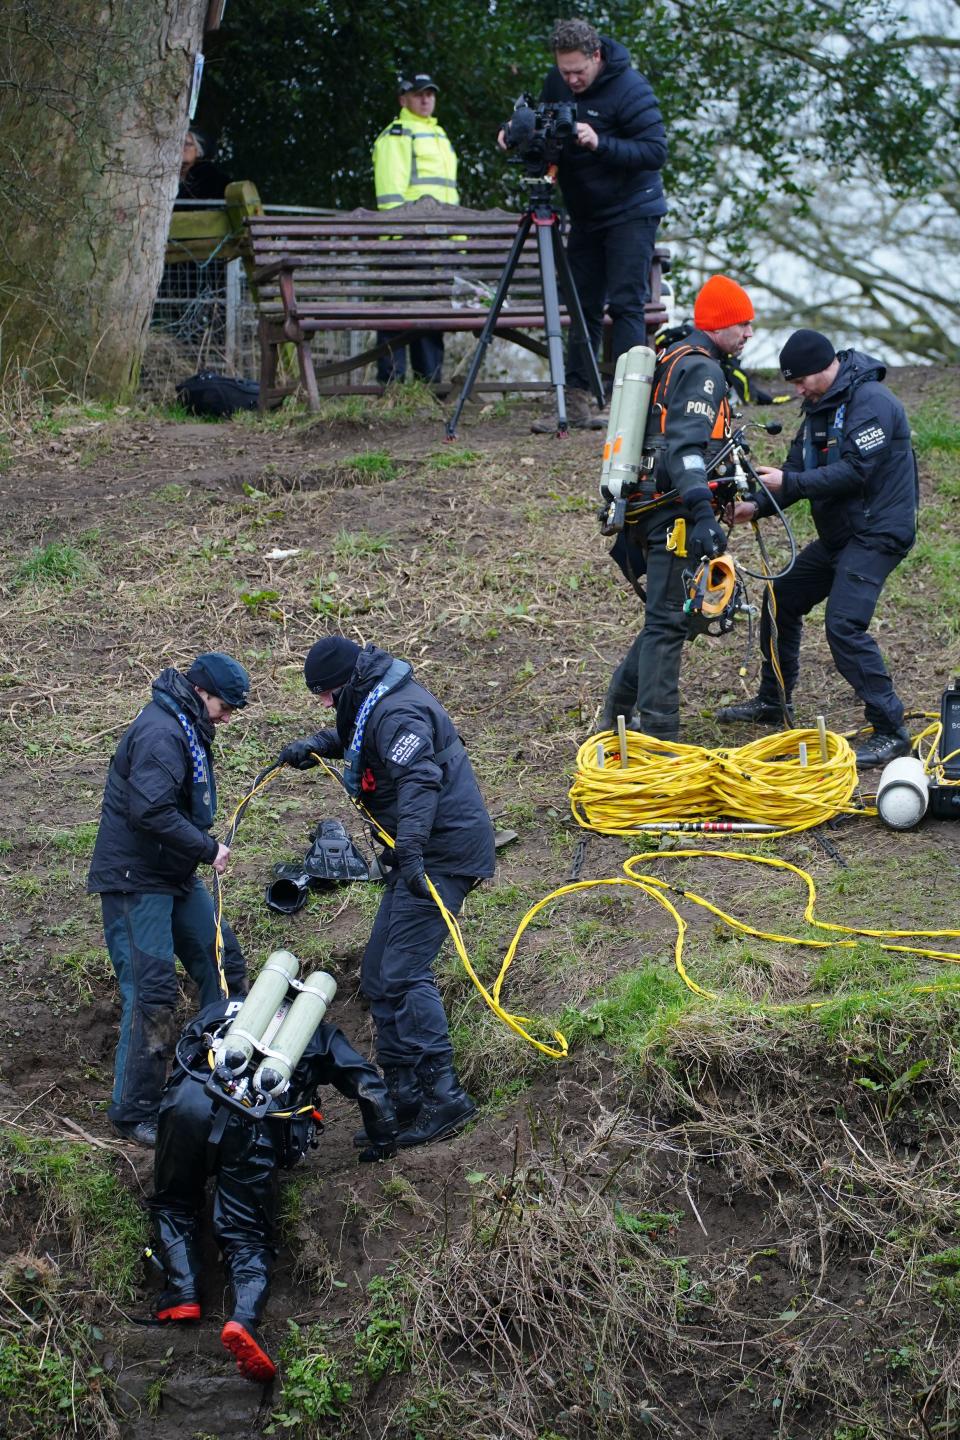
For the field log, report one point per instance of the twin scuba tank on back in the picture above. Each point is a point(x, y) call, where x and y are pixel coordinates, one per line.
point(270, 1033)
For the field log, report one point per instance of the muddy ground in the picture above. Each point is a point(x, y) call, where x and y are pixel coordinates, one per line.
point(479, 562)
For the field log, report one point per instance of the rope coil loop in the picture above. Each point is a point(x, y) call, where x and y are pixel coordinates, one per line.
point(785, 782)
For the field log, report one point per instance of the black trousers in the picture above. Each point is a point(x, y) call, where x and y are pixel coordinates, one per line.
point(610, 264)
point(646, 683)
point(850, 580)
point(426, 357)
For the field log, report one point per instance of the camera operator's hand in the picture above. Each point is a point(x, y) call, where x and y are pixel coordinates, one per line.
point(587, 136)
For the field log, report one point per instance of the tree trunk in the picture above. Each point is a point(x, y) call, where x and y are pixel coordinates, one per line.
point(93, 111)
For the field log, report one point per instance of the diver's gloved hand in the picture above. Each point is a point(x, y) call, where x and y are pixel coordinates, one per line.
point(706, 539)
point(410, 860)
point(298, 753)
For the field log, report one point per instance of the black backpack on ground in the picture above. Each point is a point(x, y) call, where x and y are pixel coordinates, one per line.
point(209, 393)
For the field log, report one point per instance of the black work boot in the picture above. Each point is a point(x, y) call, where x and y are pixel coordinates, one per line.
point(757, 710)
point(446, 1105)
point(403, 1084)
point(180, 1299)
point(883, 746)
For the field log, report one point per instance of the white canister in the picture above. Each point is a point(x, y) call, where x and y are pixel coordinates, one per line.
point(903, 793)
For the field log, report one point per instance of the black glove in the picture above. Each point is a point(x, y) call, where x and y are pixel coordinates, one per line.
point(298, 753)
point(410, 861)
point(706, 539)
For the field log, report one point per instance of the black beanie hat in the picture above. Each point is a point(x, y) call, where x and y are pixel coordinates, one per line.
point(807, 352)
point(329, 663)
point(222, 676)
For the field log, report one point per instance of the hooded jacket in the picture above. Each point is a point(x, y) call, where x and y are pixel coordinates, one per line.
point(853, 460)
point(148, 839)
point(436, 808)
point(621, 178)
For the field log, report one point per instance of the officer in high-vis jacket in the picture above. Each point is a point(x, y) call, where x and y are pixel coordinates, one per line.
point(688, 423)
point(413, 158)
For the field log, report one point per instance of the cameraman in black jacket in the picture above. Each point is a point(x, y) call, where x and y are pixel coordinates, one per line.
point(853, 460)
point(408, 767)
point(612, 187)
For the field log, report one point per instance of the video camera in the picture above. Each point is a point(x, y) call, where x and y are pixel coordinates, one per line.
point(536, 133)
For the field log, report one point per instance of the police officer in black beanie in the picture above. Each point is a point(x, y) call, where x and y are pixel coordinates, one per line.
point(853, 460)
point(155, 831)
point(409, 768)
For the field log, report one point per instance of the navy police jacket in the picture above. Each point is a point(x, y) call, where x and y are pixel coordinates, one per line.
point(436, 808)
point(853, 460)
point(621, 178)
point(148, 839)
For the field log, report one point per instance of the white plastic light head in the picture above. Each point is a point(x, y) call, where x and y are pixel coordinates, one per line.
point(903, 794)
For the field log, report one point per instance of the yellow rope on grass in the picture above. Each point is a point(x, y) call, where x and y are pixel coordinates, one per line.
point(783, 781)
point(655, 883)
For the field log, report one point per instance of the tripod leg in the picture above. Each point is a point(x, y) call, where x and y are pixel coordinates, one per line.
point(483, 340)
point(578, 324)
point(551, 314)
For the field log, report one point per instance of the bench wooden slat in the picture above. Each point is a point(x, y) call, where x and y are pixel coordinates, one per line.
point(398, 270)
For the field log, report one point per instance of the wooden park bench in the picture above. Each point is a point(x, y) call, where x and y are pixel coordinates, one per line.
point(419, 267)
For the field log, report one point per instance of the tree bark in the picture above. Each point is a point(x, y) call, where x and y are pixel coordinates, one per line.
point(93, 111)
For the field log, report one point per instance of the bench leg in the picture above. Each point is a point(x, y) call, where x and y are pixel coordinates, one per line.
point(268, 368)
point(307, 378)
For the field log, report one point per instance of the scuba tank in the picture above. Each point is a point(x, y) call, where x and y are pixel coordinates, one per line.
point(267, 994)
point(296, 1030)
point(621, 471)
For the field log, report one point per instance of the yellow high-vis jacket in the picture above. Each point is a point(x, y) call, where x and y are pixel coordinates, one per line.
point(413, 157)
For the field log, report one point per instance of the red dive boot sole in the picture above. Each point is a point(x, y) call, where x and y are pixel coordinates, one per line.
point(188, 1310)
point(253, 1362)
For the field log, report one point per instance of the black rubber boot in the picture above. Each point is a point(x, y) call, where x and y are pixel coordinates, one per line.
point(403, 1083)
point(446, 1105)
point(883, 746)
point(180, 1300)
point(249, 1269)
point(757, 711)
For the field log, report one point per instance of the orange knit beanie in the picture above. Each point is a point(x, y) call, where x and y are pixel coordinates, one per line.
point(721, 302)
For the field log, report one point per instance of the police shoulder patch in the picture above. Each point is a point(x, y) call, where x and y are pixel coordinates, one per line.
point(869, 437)
point(405, 746)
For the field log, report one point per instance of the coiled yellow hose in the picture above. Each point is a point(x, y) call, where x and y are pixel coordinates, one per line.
point(785, 782)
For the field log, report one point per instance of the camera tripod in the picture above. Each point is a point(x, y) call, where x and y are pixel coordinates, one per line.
point(552, 257)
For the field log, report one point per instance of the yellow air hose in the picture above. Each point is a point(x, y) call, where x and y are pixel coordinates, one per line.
point(779, 784)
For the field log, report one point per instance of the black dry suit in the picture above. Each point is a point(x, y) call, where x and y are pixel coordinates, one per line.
point(244, 1163)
